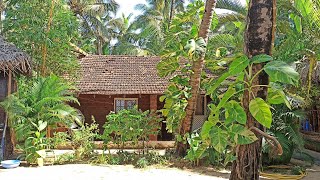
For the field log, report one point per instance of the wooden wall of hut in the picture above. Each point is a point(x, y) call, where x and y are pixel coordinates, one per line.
point(3, 95)
point(7, 86)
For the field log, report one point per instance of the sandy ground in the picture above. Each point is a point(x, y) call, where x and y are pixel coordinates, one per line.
point(85, 171)
point(91, 172)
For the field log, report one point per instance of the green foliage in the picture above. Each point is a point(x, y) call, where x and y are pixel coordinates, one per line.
point(261, 58)
point(34, 142)
point(65, 158)
point(276, 95)
point(59, 139)
point(279, 71)
point(225, 126)
point(123, 158)
point(142, 163)
point(39, 103)
point(82, 140)
point(237, 66)
point(286, 128)
point(260, 110)
point(235, 112)
point(27, 25)
point(130, 125)
point(175, 104)
point(156, 19)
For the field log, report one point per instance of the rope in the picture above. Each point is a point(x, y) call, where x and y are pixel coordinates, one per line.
point(282, 176)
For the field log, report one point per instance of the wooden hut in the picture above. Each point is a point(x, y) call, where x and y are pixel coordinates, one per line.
point(13, 61)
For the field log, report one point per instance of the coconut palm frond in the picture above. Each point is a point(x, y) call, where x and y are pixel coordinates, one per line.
point(232, 5)
point(40, 99)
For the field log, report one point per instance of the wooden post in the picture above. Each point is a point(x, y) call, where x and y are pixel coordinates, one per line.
point(10, 143)
point(153, 107)
point(9, 83)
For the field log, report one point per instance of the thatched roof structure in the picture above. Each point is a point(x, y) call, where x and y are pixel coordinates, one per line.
point(13, 59)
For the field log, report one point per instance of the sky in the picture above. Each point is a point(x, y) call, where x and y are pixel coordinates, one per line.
point(127, 6)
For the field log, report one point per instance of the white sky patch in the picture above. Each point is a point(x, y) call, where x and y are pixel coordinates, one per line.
point(127, 7)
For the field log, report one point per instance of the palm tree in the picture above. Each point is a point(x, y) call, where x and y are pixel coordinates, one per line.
point(196, 76)
point(127, 38)
point(97, 20)
point(154, 22)
point(40, 99)
point(259, 39)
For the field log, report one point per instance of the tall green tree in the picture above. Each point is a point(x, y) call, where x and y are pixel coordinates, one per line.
point(127, 38)
point(195, 78)
point(154, 22)
point(259, 39)
point(98, 23)
point(44, 29)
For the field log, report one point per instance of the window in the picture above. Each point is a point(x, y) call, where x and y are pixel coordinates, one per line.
point(201, 105)
point(124, 103)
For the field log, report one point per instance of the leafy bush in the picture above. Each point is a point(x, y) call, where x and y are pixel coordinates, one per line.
point(285, 127)
point(142, 163)
point(122, 158)
point(65, 158)
point(39, 102)
point(82, 140)
point(130, 125)
point(59, 138)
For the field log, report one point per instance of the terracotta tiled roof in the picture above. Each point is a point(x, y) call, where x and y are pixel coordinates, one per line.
point(112, 75)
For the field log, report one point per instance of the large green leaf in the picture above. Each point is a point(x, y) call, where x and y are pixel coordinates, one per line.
point(234, 112)
point(206, 129)
point(226, 96)
point(261, 58)
point(42, 125)
point(218, 139)
point(280, 71)
point(277, 96)
point(195, 47)
point(260, 110)
point(241, 135)
point(237, 66)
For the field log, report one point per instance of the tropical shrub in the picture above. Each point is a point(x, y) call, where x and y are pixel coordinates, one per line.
point(38, 103)
point(82, 140)
point(130, 125)
point(285, 127)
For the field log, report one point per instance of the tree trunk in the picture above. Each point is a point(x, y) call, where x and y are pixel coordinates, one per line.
point(99, 45)
point(259, 39)
point(195, 77)
point(44, 46)
point(171, 11)
point(8, 152)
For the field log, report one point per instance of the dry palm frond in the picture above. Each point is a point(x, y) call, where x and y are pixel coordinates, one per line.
point(13, 59)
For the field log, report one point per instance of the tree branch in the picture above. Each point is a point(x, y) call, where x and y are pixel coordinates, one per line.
point(267, 136)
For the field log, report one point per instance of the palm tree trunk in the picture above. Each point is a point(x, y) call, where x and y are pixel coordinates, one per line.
point(99, 46)
point(1, 11)
point(171, 11)
point(195, 77)
point(259, 39)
